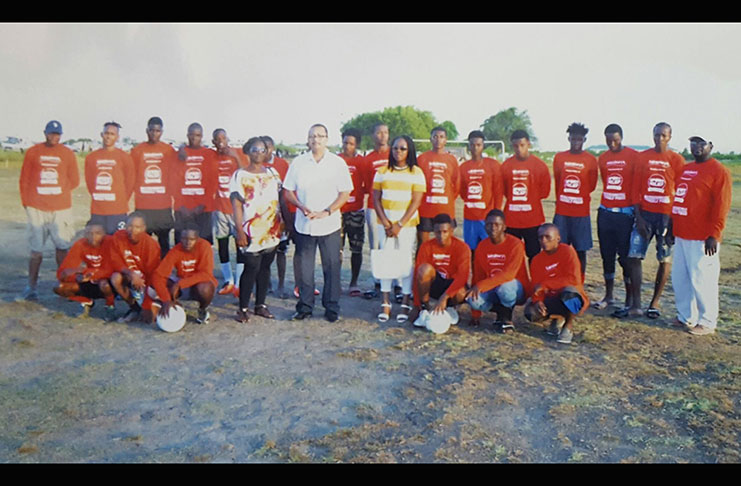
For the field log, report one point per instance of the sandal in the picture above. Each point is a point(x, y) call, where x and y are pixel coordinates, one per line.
point(382, 316)
point(621, 313)
point(602, 304)
point(370, 294)
point(400, 318)
point(653, 313)
point(355, 292)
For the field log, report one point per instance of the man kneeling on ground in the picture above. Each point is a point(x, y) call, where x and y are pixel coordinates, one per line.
point(500, 278)
point(441, 271)
point(193, 261)
point(84, 272)
point(558, 288)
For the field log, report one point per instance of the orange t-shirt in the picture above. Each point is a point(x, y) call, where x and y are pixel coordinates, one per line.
point(495, 264)
point(110, 177)
point(526, 183)
point(654, 180)
point(48, 176)
point(96, 260)
point(452, 262)
point(226, 166)
point(372, 162)
point(576, 177)
point(443, 182)
point(152, 166)
point(195, 180)
point(355, 165)
point(191, 267)
point(617, 171)
point(481, 187)
point(141, 257)
point(556, 271)
point(702, 201)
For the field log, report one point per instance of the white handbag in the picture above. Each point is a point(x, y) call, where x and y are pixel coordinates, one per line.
point(391, 262)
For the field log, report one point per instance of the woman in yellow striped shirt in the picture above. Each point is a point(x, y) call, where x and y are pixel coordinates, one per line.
point(397, 193)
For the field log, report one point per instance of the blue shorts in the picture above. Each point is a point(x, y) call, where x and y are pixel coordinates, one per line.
point(575, 231)
point(658, 225)
point(473, 232)
point(508, 294)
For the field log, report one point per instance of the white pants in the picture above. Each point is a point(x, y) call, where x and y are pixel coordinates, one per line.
point(695, 281)
point(407, 239)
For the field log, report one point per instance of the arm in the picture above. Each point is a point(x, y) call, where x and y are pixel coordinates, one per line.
point(719, 211)
point(413, 206)
point(129, 175)
point(497, 187)
point(24, 182)
point(461, 272)
point(73, 173)
point(160, 276)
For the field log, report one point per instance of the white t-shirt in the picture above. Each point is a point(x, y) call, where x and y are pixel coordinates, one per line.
point(317, 185)
point(258, 194)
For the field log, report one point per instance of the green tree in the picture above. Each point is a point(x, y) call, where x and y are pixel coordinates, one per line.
point(501, 125)
point(401, 120)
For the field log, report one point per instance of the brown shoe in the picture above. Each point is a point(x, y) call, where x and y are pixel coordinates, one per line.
point(262, 311)
point(242, 316)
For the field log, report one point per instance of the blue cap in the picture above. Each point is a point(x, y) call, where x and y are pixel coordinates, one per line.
point(53, 127)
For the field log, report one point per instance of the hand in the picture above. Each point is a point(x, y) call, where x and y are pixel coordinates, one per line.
point(395, 229)
point(137, 281)
point(182, 154)
point(711, 246)
point(165, 310)
point(242, 238)
point(541, 309)
point(175, 291)
point(387, 230)
point(442, 304)
point(641, 226)
point(473, 293)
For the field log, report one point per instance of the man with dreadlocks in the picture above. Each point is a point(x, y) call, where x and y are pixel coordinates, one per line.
point(575, 174)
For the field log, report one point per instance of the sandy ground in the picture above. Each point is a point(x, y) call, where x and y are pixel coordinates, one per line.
point(80, 390)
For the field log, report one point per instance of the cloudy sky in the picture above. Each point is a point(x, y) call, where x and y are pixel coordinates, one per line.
point(278, 79)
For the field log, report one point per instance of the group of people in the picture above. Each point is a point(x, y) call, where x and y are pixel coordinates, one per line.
point(509, 255)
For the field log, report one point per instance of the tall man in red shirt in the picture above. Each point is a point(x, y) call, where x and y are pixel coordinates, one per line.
point(353, 216)
point(48, 176)
point(575, 175)
point(481, 189)
point(134, 255)
point(281, 166)
point(558, 288)
point(616, 212)
point(500, 279)
point(194, 184)
point(526, 182)
point(443, 182)
point(441, 272)
point(701, 205)
point(110, 177)
point(378, 158)
point(84, 273)
point(193, 261)
point(653, 187)
point(152, 162)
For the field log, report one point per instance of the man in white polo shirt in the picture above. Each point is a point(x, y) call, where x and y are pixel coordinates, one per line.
point(318, 183)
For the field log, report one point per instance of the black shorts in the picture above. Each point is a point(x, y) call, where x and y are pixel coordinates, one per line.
point(439, 286)
point(91, 290)
point(202, 220)
point(111, 222)
point(158, 219)
point(353, 227)
point(530, 237)
point(425, 225)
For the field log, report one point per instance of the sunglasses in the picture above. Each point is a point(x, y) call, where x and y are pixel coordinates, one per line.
point(258, 150)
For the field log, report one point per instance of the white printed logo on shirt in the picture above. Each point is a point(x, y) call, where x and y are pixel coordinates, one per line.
point(519, 192)
point(193, 176)
point(104, 181)
point(571, 184)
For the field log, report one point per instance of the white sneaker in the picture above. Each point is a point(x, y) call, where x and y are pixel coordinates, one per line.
point(421, 321)
point(453, 316)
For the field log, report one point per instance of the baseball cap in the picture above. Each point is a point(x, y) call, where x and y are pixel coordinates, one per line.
point(697, 138)
point(53, 127)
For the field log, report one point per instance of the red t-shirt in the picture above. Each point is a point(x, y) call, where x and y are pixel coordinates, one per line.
point(443, 182)
point(281, 166)
point(372, 162)
point(526, 183)
point(226, 166)
point(481, 187)
point(195, 180)
point(576, 177)
point(152, 166)
point(355, 165)
point(702, 201)
point(654, 179)
point(141, 257)
point(494, 264)
point(617, 170)
point(96, 260)
point(556, 271)
point(452, 262)
point(48, 176)
point(110, 177)
point(192, 268)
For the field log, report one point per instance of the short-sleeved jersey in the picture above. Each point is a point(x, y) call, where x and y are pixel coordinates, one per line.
point(152, 163)
point(195, 180)
point(617, 172)
point(495, 264)
point(48, 176)
point(555, 271)
point(371, 163)
point(96, 260)
point(481, 187)
point(575, 177)
point(702, 201)
point(191, 268)
point(654, 180)
point(356, 167)
point(526, 183)
point(443, 182)
point(397, 186)
point(110, 177)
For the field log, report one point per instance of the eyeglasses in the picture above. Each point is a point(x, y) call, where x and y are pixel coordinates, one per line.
point(258, 150)
point(317, 136)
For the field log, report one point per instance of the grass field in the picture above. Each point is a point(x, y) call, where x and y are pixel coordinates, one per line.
point(76, 390)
